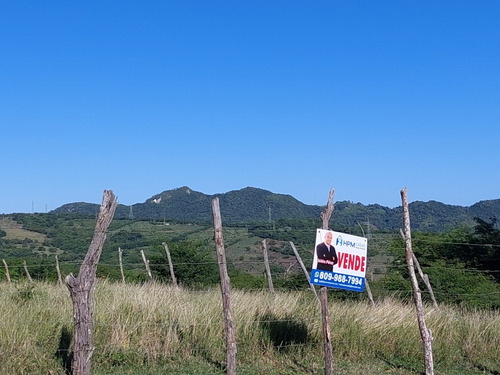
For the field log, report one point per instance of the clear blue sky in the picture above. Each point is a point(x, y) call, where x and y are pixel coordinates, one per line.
point(295, 97)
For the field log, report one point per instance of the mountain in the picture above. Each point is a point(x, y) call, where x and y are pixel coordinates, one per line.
point(258, 205)
point(248, 204)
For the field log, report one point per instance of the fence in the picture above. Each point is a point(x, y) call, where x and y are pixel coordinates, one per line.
point(18, 273)
point(83, 303)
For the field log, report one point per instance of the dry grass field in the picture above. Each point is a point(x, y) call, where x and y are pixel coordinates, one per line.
point(15, 231)
point(157, 329)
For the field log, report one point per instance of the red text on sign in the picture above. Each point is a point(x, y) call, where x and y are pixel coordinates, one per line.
point(352, 262)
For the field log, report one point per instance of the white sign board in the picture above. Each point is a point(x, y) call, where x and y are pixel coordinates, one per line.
point(339, 260)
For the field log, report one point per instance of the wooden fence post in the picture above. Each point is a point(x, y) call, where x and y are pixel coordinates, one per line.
point(327, 343)
point(367, 284)
point(170, 265)
point(268, 269)
point(225, 290)
point(423, 276)
point(427, 283)
point(7, 274)
point(27, 272)
point(369, 292)
point(425, 333)
point(59, 276)
point(304, 269)
point(146, 263)
point(81, 289)
point(120, 260)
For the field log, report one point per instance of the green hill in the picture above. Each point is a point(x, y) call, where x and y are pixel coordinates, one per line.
point(258, 205)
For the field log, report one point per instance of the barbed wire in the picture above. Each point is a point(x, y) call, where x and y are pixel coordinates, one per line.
point(373, 269)
point(139, 265)
point(380, 290)
point(264, 342)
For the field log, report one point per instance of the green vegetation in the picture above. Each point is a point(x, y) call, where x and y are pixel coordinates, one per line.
point(462, 263)
point(252, 205)
point(156, 329)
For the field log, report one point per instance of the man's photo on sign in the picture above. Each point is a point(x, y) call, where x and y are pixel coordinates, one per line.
point(325, 256)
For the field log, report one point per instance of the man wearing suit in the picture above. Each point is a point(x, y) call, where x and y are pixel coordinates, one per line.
point(326, 254)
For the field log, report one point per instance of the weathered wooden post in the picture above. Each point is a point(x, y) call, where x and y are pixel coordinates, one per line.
point(304, 269)
point(369, 292)
point(170, 265)
point(268, 269)
point(425, 333)
point(120, 260)
point(425, 279)
point(327, 343)
point(27, 272)
point(58, 269)
point(7, 274)
point(423, 276)
point(146, 264)
point(225, 290)
point(367, 284)
point(81, 289)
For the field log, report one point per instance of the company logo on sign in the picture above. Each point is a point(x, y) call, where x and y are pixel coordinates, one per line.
point(357, 245)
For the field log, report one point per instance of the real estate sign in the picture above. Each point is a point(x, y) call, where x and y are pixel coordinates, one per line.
point(339, 260)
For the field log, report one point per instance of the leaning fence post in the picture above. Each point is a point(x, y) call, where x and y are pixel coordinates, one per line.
point(7, 274)
point(423, 276)
point(170, 264)
point(27, 272)
point(146, 264)
point(304, 269)
point(268, 269)
point(369, 292)
point(367, 284)
point(425, 333)
point(225, 290)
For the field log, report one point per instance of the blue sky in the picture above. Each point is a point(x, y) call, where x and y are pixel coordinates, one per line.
point(295, 97)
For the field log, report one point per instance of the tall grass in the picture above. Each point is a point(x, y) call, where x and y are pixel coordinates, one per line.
point(157, 326)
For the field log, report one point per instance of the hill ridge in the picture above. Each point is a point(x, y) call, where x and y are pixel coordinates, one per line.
point(251, 204)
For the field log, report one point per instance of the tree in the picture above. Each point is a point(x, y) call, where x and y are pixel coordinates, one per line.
point(487, 254)
point(456, 263)
point(193, 266)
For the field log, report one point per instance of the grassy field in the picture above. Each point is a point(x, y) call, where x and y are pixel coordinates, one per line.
point(155, 329)
point(15, 231)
